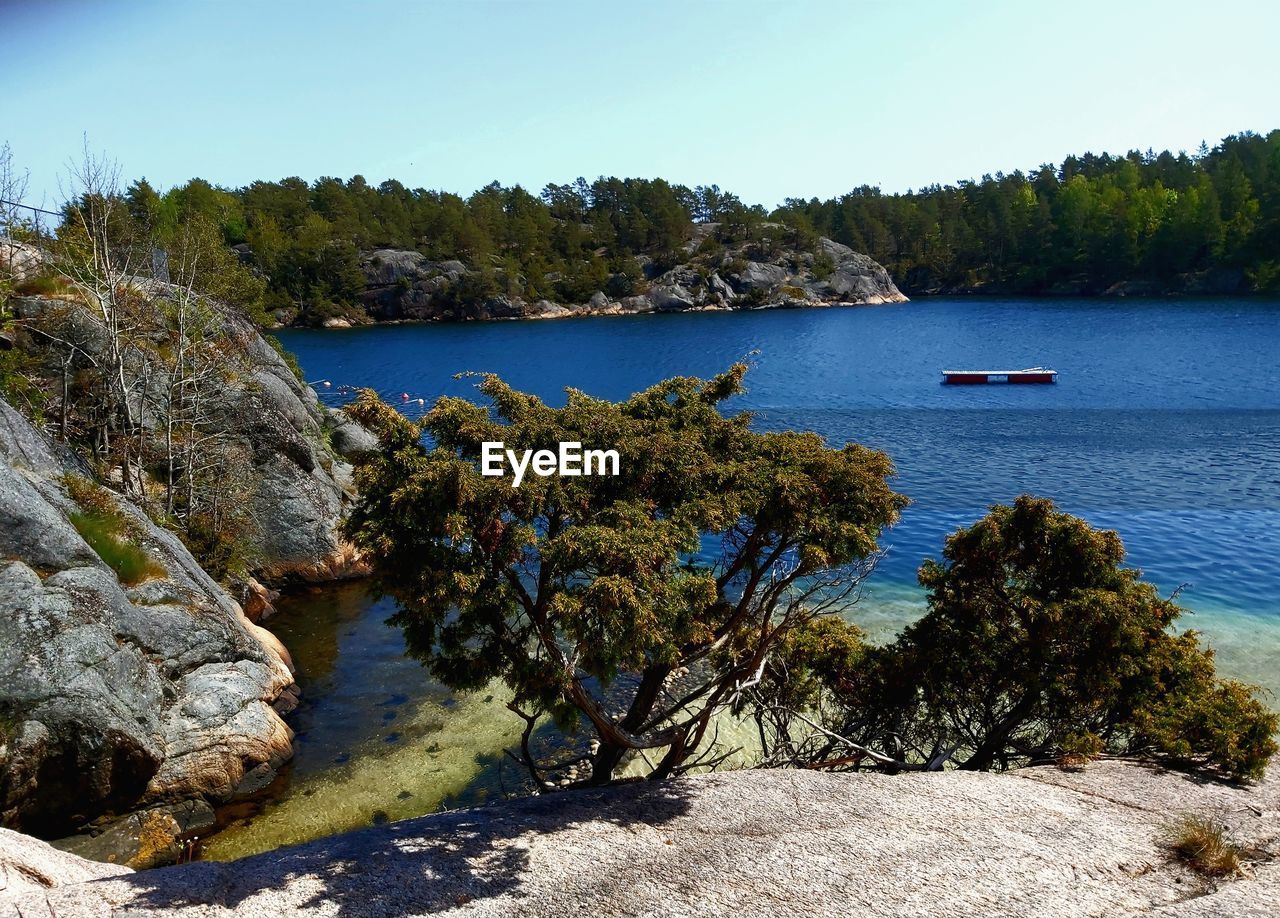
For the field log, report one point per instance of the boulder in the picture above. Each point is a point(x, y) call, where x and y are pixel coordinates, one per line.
point(545, 309)
point(348, 437)
point(758, 276)
point(21, 260)
point(636, 304)
point(670, 298)
point(383, 267)
point(295, 497)
point(719, 286)
point(115, 695)
point(855, 278)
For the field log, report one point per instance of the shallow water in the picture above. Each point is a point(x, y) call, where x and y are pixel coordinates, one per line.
point(1165, 426)
point(377, 739)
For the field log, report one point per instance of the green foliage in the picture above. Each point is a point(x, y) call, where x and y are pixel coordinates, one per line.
point(814, 656)
point(19, 381)
point(577, 589)
point(1079, 749)
point(131, 563)
point(823, 266)
point(41, 285)
point(222, 543)
point(1088, 223)
point(111, 534)
point(1038, 643)
point(216, 270)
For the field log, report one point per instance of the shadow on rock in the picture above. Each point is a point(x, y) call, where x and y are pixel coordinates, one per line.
point(422, 865)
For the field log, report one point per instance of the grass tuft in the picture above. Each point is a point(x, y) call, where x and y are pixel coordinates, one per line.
point(1203, 845)
point(110, 533)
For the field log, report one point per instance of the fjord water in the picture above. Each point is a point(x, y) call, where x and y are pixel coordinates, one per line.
point(1165, 425)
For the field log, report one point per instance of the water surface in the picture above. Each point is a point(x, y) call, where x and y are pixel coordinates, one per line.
point(1165, 425)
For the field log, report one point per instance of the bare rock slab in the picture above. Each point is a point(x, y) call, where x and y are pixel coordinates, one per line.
point(752, 843)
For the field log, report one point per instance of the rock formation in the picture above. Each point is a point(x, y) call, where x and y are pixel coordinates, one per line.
point(753, 843)
point(116, 696)
point(408, 286)
point(297, 489)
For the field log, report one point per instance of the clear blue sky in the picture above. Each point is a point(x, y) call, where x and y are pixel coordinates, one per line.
point(766, 99)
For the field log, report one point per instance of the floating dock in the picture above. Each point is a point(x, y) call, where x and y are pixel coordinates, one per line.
point(982, 377)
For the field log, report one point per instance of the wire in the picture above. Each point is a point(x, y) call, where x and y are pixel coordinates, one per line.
point(52, 213)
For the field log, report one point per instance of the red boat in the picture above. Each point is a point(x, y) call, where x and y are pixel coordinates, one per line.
point(982, 377)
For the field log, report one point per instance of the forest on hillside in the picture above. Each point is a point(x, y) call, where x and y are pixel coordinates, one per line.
point(1170, 220)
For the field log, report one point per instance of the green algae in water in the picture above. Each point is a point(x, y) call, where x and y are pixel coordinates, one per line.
point(377, 739)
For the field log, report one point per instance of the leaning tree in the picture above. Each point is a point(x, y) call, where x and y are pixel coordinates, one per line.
point(639, 605)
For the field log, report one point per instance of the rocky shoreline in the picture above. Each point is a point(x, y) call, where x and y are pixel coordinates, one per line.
point(131, 707)
point(403, 285)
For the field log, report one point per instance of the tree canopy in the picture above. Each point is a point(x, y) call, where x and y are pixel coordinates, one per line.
point(1038, 643)
point(638, 605)
point(1167, 219)
point(1083, 225)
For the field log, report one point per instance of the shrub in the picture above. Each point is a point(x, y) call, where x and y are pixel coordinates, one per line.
point(823, 266)
point(222, 544)
point(1039, 644)
point(41, 285)
point(19, 371)
point(1203, 845)
point(1079, 749)
point(580, 588)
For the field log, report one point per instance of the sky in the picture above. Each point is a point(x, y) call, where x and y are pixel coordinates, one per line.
point(791, 98)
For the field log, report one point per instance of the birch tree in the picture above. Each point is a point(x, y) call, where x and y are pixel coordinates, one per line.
point(101, 253)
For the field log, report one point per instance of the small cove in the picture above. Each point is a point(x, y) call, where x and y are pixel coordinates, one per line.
point(1144, 434)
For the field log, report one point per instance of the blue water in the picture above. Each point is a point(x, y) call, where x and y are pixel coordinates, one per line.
point(1165, 424)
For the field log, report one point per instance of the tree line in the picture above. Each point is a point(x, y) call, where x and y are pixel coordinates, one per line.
point(1081, 226)
point(1169, 220)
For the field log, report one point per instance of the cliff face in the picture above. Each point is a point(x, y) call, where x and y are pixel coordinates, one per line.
point(296, 487)
point(403, 285)
point(751, 843)
point(120, 692)
point(300, 486)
